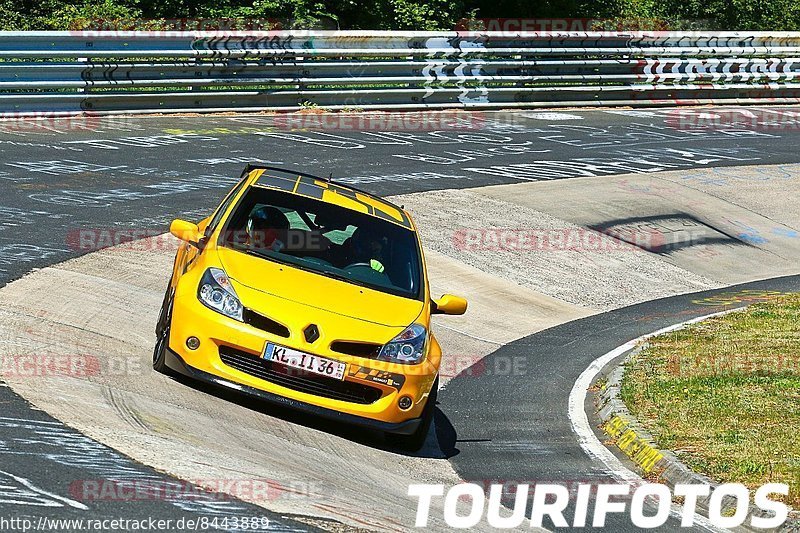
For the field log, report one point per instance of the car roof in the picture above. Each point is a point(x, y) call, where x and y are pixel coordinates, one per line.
point(326, 190)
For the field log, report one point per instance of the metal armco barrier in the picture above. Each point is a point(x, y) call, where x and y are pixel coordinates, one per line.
point(101, 72)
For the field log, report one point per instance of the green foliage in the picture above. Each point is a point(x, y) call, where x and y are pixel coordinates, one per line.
point(66, 16)
point(725, 394)
point(414, 15)
point(400, 14)
point(11, 18)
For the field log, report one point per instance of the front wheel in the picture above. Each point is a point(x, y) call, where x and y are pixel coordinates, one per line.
point(162, 336)
point(416, 440)
point(160, 353)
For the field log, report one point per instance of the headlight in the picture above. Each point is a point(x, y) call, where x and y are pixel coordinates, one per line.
point(408, 347)
point(216, 292)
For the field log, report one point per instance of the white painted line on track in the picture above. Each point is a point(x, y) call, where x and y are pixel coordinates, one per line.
point(580, 421)
point(554, 115)
point(30, 486)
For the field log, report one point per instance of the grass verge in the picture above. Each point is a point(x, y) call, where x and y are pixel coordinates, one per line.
point(724, 394)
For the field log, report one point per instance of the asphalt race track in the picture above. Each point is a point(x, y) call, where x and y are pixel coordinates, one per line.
point(543, 448)
point(123, 173)
point(140, 172)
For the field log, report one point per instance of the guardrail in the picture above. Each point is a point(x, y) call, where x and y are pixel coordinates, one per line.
point(103, 72)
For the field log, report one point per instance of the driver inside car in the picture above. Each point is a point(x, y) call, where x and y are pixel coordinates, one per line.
point(368, 249)
point(267, 229)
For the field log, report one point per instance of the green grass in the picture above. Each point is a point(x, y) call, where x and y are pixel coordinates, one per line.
point(724, 394)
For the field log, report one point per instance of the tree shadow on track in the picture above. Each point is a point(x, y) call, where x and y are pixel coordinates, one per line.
point(440, 443)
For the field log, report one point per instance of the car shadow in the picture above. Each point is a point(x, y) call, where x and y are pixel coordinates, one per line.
point(439, 444)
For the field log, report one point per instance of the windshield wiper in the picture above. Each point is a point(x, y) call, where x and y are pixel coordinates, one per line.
point(326, 273)
point(340, 277)
point(251, 251)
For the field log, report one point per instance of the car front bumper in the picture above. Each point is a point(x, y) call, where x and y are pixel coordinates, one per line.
point(177, 364)
point(217, 333)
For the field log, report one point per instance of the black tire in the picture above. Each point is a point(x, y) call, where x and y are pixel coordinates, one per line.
point(162, 335)
point(416, 440)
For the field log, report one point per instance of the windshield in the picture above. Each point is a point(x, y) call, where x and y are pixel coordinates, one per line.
point(326, 239)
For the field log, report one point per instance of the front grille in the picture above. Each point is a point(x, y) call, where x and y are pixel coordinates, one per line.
point(358, 349)
point(264, 323)
point(296, 379)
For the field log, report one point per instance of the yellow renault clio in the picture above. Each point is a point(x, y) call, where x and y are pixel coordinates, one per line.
point(310, 294)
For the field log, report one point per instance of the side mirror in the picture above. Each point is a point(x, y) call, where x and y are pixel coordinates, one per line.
point(450, 305)
point(186, 231)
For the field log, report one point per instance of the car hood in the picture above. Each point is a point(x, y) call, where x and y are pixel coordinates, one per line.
point(316, 293)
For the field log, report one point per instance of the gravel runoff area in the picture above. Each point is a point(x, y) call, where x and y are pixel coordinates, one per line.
point(615, 276)
point(694, 230)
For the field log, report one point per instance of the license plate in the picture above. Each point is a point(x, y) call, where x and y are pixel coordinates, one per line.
point(304, 361)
